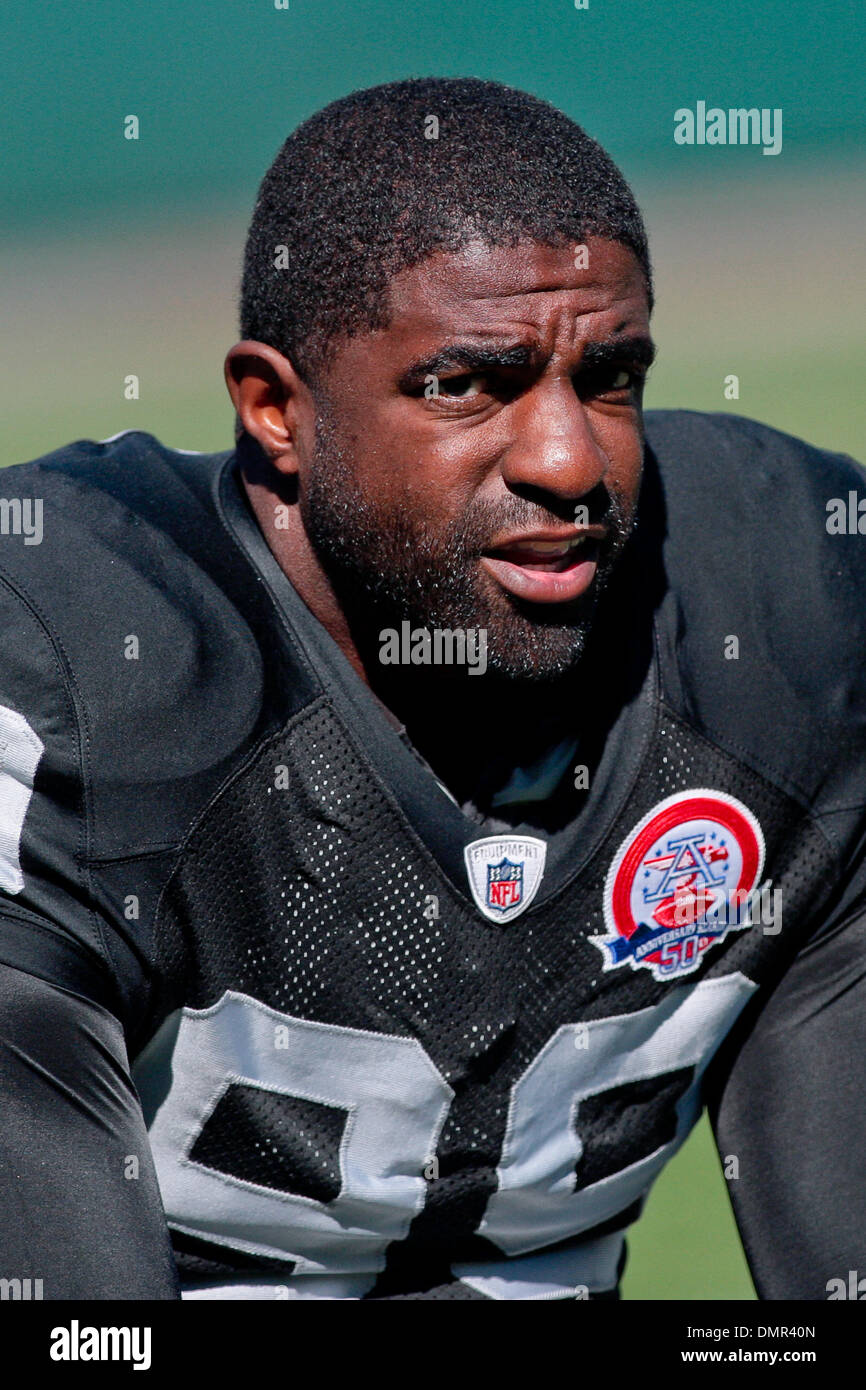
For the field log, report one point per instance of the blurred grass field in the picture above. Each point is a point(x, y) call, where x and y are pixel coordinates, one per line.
point(757, 279)
point(764, 280)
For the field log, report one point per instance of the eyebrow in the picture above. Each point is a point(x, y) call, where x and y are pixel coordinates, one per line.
point(638, 349)
point(472, 357)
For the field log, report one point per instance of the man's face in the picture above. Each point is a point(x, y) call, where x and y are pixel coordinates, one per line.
point(477, 463)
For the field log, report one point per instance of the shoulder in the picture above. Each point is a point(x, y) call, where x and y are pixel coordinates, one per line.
point(126, 644)
point(116, 548)
point(766, 611)
point(755, 516)
point(758, 475)
point(86, 490)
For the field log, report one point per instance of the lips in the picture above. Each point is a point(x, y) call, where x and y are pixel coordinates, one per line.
point(544, 570)
point(540, 555)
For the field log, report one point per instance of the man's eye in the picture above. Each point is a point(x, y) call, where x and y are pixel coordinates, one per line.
point(464, 387)
point(607, 381)
point(616, 379)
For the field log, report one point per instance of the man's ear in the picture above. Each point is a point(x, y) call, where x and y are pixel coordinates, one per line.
point(270, 400)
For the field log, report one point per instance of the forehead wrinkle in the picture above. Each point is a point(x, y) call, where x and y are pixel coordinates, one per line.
point(444, 284)
point(563, 322)
point(469, 294)
point(544, 321)
point(536, 289)
point(540, 321)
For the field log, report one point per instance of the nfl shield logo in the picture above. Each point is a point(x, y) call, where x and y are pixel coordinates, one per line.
point(504, 884)
point(504, 874)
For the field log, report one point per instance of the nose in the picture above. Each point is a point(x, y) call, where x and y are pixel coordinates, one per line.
point(554, 448)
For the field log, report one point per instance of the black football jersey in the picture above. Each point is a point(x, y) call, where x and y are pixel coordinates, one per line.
point(388, 1046)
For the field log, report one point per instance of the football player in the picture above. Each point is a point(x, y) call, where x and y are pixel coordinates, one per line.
point(412, 817)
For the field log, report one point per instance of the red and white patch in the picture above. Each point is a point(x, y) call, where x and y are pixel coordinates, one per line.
point(680, 882)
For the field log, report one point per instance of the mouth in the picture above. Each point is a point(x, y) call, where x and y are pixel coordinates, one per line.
point(542, 570)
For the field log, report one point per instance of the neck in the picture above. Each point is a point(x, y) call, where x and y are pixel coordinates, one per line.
point(474, 731)
point(291, 548)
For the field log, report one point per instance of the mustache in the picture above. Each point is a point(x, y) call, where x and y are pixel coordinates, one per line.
point(601, 507)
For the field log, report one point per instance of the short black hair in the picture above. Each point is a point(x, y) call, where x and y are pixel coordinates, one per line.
point(361, 191)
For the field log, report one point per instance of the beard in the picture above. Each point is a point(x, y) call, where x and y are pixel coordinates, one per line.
point(388, 564)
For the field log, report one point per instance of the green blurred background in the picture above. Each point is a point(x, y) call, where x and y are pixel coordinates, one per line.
point(124, 257)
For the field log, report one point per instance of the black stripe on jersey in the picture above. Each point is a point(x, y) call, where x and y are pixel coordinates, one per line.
point(45, 951)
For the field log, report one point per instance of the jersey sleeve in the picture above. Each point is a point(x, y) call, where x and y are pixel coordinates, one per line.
point(764, 642)
point(81, 1209)
point(787, 1108)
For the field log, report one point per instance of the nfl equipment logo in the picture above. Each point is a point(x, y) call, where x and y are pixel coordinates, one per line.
point(504, 874)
